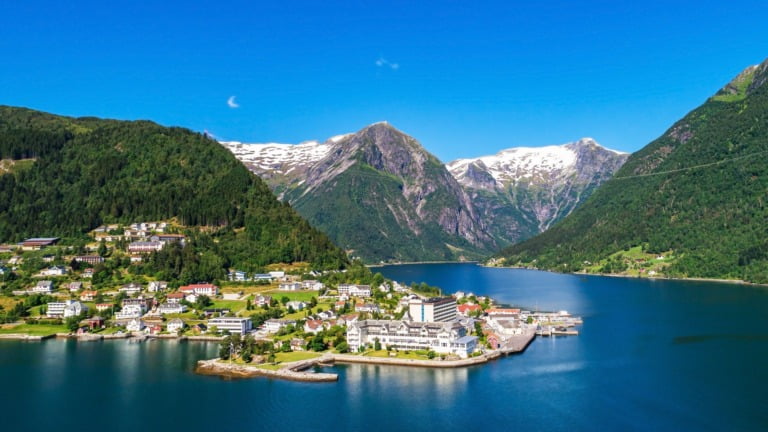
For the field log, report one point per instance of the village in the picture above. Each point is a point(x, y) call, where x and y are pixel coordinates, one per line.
point(293, 311)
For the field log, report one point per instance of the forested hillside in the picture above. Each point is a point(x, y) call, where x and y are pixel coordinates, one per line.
point(699, 194)
point(89, 171)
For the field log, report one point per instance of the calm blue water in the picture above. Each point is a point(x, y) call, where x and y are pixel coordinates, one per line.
point(653, 355)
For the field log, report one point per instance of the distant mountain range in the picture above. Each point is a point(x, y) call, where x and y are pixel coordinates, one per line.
point(379, 194)
point(692, 203)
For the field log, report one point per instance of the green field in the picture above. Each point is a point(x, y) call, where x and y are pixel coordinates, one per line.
point(304, 296)
point(414, 355)
point(34, 329)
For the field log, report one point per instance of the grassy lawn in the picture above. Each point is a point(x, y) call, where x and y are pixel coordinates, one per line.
point(233, 305)
point(293, 356)
point(34, 329)
point(304, 296)
point(414, 355)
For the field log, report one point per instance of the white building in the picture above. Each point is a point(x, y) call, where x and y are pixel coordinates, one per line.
point(157, 286)
point(232, 324)
point(43, 287)
point(274, 325)
point(55, 271)
point(74, 308)
point(131, 288)
point(130, 311)
point(296, 305)
point(432, 310)
point(205, 289)
point(290, 286)
point(175, 325)
point(312, 285)
point(171, 308)
point(351, 290)
point(135, 325)
point(440, 337)
point(55, 309)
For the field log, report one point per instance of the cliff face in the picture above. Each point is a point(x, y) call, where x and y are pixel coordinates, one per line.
point(381, 195)
point(521, 192)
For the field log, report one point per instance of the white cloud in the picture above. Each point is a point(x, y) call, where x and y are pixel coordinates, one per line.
point(231, 103)
point(382, 62)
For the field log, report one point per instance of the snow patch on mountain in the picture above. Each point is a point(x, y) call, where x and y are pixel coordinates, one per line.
point(281, 158)
point(524, 164)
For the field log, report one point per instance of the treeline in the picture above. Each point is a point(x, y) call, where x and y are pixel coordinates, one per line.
point(705, 200)
point(90, 172)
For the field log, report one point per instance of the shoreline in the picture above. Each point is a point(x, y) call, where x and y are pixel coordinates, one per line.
point(670, 278)
point(420, 262)
point(90, 337)
point(295, 371)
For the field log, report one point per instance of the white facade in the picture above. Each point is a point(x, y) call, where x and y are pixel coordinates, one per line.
point(55, 309)
point(290, 286)
point(175, 325)
point(312, 285)
point(232, 324)
point(442, 338)
point(432, 310)
point(352, 290)
point(43, 287)
point(274, 325)
point(135, 325)
point(171, 308)
point(129, 311)
point(131, 288)
point(74, 308)
point(296, 305)
point(156, 286)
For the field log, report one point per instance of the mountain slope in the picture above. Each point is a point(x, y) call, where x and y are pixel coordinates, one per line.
point(89, 171)
point(523, 191)
point(377, 193)
point(697, 194)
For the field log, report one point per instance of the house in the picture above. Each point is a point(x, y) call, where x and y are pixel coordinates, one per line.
point(101, 307)
point(131, 288)
point(274, 325)
point(43, 287)
point(89, 259)
point(38, 243)
point(4, 270)
point(348, 319)
point(200, 328)
point(142, 247)
point(367, 307)
point(94, 322)
point(215, 311)
point(297, 344)
point(263, 277)
point(314, 326)
point(54, 271)
point(74, 286)
point(312, 285)
point(232, 324)
point(352, 290)
point(74, 308)
point(326, 315)
point(175, 325)
point(262, 300)
point(339, 304)
point(175, 297)
point(206, 289)
point(88, 295)
point(277, 274)
point(466, 309)
point(296, 305)
point(87, 273)
point(192, 298)
point(171, 238)
point(157, 286)
point(237, 276)
point(135, 325)
point(171, 308)
point(290, 286)
point(55, 309)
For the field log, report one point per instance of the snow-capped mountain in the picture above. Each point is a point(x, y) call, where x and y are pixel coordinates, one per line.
point(523, 191)
point(381, 194)
point(526, 164)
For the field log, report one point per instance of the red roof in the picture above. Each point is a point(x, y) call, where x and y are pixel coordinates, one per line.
point(463, 308)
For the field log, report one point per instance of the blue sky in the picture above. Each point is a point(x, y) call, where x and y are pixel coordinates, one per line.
point(464, 78)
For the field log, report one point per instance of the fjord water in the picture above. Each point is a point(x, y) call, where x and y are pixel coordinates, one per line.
point(652, 355)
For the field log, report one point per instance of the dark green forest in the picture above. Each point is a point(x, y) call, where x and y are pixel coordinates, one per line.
point(700, 190)
point(89, 171)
